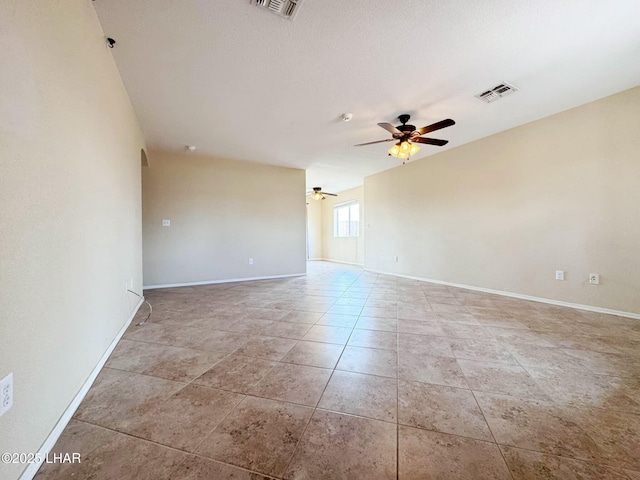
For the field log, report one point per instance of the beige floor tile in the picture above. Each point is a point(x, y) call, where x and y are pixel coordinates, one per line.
point(606, 363)
point(373, 339)
point(293, 383)
point(345, 309)
point(426, 455)
point(259, 435)
point(351, 301)
point(462, 330)
point(481, 350)
point(536, 425)
point(534, 356)
point(173, 363)
point(425, 345)
point(457, 318)
point(284, 329)
point(302, 317)
point(188, 337)
point(365, 395)
point(420, 327)
point(182, 420)
point(372, 323)
point(121, 457)
point(328, 334)
point(338, 320)
point(199, 468)
point(389, 311)
point(266, 348)
point(116, 394)
point(527, 465)
point(373, 361)
point(615, 433)
point(442, 409)
point(500, 378)
point(587, 390)
point(338, 446)
point(236, 373)
point(315, 354)
point(517, 335)
point(428, 369)
point(78, 437)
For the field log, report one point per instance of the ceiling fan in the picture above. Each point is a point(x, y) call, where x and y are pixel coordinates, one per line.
point(407, 136)
point(318, 194)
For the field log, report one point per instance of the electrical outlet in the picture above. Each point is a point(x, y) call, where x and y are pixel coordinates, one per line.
point(251, 261)
point(594, 279)
point(559, 275)
point(166, 222)
point(6, 393)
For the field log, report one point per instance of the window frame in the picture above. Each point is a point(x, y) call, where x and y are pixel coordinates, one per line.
point(336, 227)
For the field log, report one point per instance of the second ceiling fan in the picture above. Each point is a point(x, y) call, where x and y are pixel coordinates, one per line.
point(407, 136)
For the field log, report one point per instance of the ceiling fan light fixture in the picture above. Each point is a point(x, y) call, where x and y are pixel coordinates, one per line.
point(317, 196)
point(395, 150)
point(404, 149)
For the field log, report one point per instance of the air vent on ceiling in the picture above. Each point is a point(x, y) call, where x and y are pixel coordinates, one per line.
point(284, 8)
point(497, 92)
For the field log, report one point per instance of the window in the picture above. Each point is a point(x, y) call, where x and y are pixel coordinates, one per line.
point(346, 220)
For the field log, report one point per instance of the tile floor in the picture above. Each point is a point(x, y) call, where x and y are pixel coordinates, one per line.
point(345, 374)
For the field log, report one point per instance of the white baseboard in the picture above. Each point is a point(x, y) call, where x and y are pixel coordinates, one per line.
point(51, 440)
point(227, 280)
point(340, 261)
point(549, 301)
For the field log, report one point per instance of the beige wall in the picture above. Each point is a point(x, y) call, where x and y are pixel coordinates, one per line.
point(222, 213)
point(349, 249)
point(70, 210)
point(506, 211)
point(314, 228)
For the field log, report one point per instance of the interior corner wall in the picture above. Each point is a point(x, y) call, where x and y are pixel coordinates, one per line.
point(342, 249)
point(222, 213)
point(507, 211)
point(314, 229)
point(70, 211)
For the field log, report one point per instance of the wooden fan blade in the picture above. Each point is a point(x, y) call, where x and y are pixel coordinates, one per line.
point(435, 126)
point(332, 194)
point(378, 141)
point(430, 141)
point(390, 128)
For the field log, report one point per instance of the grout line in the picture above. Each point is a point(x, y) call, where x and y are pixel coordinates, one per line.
point(318, 402)
point(495, 441)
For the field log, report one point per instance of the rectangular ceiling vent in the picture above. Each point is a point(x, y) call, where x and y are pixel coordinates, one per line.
point(497, 92)
point(284, 8)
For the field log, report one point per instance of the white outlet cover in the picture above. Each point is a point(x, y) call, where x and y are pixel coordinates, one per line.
point(251, 261)
point(166, 223)
point(559, 275)
point(594, 279)
point(6, 393)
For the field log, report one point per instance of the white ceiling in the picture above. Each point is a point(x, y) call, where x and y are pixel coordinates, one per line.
point(240, 82)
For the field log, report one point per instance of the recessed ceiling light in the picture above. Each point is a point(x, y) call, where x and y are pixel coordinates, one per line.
point(346, 117)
